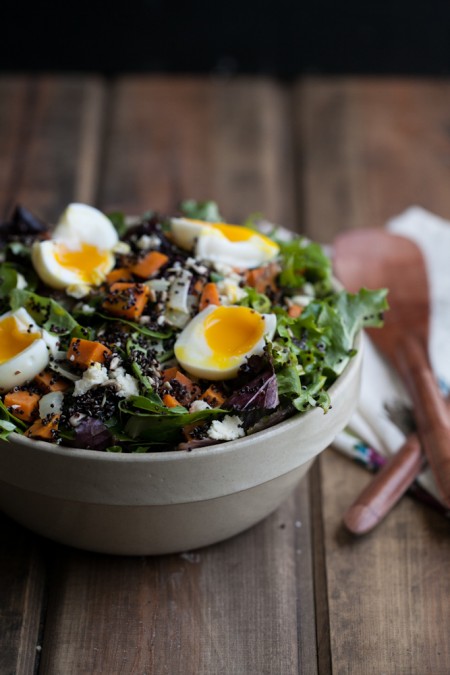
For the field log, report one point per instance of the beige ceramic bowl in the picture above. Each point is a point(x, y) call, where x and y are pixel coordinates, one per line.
point(166, 502)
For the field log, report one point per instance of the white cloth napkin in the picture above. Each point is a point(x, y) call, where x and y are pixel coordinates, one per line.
point(377, 421)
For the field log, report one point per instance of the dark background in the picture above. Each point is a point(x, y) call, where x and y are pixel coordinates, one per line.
point(276, 38)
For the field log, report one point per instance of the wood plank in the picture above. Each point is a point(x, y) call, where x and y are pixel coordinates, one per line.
point(205, 139)
point(63, 144)
point(237, 607)
point(41, 126)
point(21, 564)
point(370, 149)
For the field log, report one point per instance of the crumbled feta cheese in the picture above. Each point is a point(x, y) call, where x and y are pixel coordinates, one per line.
point(228, 430)
point(148, 241)
point(126, 385)
point(308, 289)
point(122, 247)
point(94, 376)
point(299, 300)
point(193, 264)
point(199, 405)
point(78, 291)
point(76, 419)
point(230, 291)
point(87, 309)
point(227, 271)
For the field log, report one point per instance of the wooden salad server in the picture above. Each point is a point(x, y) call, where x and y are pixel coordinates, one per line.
point(387, 488)
point(375, 258)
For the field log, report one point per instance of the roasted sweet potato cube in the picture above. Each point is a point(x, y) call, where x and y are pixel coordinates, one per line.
point(44, 430)
point(48, 381)
point(23, 404)
point(213, 397)
point(183, 389)
point(126, 300)
point(120, 274)
point(150, 264)
point(84, 353)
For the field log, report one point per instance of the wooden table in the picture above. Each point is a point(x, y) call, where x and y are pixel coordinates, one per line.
point(295, 594)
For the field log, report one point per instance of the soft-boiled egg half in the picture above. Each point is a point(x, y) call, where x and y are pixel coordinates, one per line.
point(80, 250)
point(25, 349)
point(234, 245)
point(219, 339)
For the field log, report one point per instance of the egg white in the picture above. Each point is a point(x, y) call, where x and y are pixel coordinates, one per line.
point(197, 358)
point(79, 224)
point(84, 223)
point(44, 257)
point(211, 244)
point(33, 359)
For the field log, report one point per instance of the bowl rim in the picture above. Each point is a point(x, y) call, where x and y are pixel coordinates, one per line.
point(178, 455)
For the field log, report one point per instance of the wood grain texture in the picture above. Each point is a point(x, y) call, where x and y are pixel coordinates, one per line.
point(362, 178)
point(21, 561)
point(246, 605)
point(397, 263)
point(60, 144)
point(41, 132)
point(387, 593)
point(172, 138)
point(386, 488)
point(296, 594)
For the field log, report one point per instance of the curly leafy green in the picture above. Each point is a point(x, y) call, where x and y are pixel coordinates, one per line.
point(303, 262)
point(309, 352)
point(255, 300)
point(207, 210)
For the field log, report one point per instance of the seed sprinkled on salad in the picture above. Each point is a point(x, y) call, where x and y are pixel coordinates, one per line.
point(169, 333)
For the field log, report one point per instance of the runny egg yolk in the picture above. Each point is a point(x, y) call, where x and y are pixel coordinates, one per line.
point(235, 232)
point(240, 233)
point(85, 261)
point(232, 331)
point(13, 339)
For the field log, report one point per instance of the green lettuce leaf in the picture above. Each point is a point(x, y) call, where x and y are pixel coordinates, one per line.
point(119, 221)
point(8, 279)
point(309, 352)
point(255, 300)
point(208, 211)
point(147, 424)
point(303, 262)
point(47, 313)
point(9, 423)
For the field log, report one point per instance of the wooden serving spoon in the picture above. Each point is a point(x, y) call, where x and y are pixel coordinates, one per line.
point(386, 488)
point(374, 259)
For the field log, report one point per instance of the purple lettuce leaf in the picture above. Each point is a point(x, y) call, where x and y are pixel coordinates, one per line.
point(23, 223)
point(92, 434)
point(256, 387)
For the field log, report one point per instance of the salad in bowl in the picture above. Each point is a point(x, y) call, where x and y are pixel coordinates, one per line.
point(170, 332)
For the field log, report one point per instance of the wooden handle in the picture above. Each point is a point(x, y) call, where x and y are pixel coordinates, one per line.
point(433, 422)
point(386, 488)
